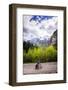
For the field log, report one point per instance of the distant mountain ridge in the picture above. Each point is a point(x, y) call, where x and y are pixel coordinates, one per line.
point(38, 42)
point(45, 41)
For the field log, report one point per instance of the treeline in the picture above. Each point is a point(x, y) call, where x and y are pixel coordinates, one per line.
point(27, 45)
point(44, 54)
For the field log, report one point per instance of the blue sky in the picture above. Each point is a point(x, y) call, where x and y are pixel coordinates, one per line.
point(36, 26)
point(40, 18)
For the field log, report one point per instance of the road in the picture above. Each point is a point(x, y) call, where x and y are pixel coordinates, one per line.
point(47, 68)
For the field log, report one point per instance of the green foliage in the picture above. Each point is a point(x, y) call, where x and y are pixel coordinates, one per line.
point(34, 54)
point(27, 45)
point(51, 53)
point(44, 54)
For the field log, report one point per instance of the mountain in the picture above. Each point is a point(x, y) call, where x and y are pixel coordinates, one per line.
point(46, 41)
point(53, 39)
point(38, 42)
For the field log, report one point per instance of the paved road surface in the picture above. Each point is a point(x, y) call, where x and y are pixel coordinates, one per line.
point(49, 67)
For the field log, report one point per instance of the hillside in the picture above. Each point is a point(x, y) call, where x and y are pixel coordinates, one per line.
point(53, 39)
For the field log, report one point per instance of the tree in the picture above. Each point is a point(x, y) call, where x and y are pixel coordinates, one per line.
point(51, 53)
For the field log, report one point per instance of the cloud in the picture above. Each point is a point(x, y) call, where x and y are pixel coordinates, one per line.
point(35, 29)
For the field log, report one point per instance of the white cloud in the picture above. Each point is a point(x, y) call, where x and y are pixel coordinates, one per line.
point(39, 30)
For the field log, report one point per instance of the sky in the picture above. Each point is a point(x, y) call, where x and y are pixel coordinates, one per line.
point(36, 26)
